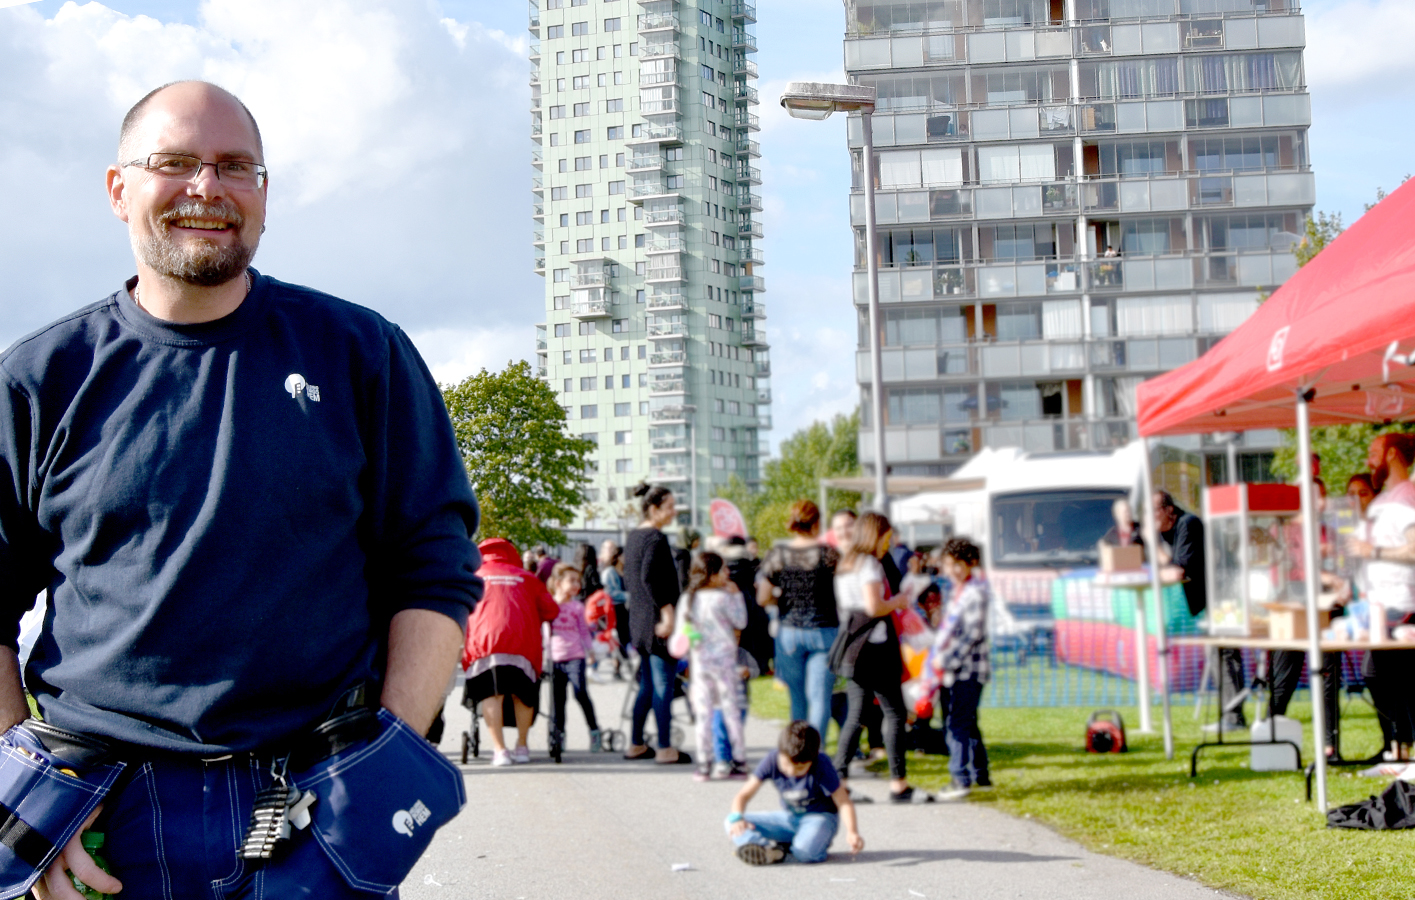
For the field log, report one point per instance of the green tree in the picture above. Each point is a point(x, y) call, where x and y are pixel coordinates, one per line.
point(817, 451)
point(528, 471)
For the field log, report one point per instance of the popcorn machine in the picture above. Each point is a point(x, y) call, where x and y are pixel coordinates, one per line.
point(1254, 552)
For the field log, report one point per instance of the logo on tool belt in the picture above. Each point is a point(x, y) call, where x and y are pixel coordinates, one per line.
point(405, 820)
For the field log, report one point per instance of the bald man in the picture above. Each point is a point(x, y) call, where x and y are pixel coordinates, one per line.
point(244, 505)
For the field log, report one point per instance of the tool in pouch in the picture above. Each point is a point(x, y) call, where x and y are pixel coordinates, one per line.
point(276, 810)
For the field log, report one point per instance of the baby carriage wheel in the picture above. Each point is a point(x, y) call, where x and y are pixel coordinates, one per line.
point(677, 736)
point(466, 747)
point(613, 741)
point(557, 746)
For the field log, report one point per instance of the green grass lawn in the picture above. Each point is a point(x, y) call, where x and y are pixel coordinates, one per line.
point(1248, 832)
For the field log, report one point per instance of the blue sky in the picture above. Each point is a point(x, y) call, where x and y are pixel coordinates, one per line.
point(397, 132)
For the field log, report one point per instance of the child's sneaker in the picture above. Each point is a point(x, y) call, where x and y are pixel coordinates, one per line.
point(954, 792)
point(501, 758)
point(522, 755)
point(595, 743)
point(757, 855)
point(737, 771)
point(909, 795)
point(702, 773)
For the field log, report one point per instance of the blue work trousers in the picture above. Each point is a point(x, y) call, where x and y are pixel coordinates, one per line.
point(173, 832)
point(808, 835)
point(802, 662)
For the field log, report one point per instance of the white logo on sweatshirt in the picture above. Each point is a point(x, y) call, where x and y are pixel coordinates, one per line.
point(295, 383)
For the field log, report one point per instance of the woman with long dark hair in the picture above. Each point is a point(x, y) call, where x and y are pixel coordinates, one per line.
point(871, 661)
point(611, 574)
point(652, 582)
point(586, 560)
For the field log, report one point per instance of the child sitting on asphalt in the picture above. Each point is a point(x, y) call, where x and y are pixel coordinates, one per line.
point(570, 643)
point(813, 804)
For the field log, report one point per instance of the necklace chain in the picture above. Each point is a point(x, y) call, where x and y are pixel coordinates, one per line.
point(137, 288)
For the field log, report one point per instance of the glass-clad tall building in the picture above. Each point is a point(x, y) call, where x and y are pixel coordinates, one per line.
point(646, 206)
point(1073, 196)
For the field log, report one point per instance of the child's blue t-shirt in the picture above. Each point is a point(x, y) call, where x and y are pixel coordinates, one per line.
point(808, 794)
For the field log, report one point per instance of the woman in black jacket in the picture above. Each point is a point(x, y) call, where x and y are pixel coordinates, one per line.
point(651, 579)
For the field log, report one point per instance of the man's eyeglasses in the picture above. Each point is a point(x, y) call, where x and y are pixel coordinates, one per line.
point(237, 173)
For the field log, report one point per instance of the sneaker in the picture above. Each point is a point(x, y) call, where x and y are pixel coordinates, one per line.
point(857, 798)
point(757, 855)
point(595, 743)
point(982, 784)
point(1229, 726)
point(501, 758)
point(720, 770)
point(954, 792)
point(702, 773)
point(738, 772)
point(910, 796)
point(522, 755)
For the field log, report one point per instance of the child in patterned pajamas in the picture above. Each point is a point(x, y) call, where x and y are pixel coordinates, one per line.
point(714, 608)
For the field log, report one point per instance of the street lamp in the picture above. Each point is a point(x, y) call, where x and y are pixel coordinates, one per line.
point(814, 100)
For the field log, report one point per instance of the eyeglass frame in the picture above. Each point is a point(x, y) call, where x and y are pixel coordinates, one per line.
point(262, 173)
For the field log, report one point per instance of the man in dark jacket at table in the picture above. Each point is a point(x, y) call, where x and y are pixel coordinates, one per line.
point(1182, 554)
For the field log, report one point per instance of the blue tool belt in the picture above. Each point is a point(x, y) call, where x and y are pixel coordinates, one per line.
point(45, 797)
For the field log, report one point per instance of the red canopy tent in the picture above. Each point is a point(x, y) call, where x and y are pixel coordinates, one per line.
point(1334, 345)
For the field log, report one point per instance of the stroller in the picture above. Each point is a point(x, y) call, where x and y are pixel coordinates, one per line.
point(610, 739)
point(681, 706)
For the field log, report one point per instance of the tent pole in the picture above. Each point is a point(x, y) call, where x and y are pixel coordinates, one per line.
point(1152, 540)
point(1311, 534)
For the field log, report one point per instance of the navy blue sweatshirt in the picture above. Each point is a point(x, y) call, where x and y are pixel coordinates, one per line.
point(225, 515)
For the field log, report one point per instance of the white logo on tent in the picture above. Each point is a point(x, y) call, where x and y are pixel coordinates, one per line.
point(1276, 347)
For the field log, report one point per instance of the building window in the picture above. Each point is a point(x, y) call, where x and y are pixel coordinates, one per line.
point(585, 217)
point(623, 437)
point(675, 182)
point(604, 217)
point(588, 356)
point(582, 137)
point(557, 112)
point(718, 405)
point(565, 355)
point(591, 436)
point(609, 382)
point(719, 434)
point(563, 165)
point(616, 187)
point(560, 275)
point(611, 24)
point(579, 28)
point(562, 330)
point(584, 190)
point(582, 109)
point(554, 31)
point(557, 193)
point(719, 462)
point(623, 465)
point(614, 106)
point(623, 241)
point(560, 58)
point(578, 56)
point(590, 411)
point(734, 408)
point(582, 164)
point(584, 245)
point(640, 295)
point(555, 138)
point(640, 268)
point(562, 302)
point(624, 352)
point(618, 76)
point(619, 326)
point(580, 82)
point(643, 351)
point(587, 384)
point(709, 100)
point(624, 381)
point(714, 320)
point(614, 133)
point(621, 409)
point(643, 379)
point(638, 240)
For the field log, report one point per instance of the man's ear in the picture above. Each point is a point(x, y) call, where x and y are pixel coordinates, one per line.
point(117, 196)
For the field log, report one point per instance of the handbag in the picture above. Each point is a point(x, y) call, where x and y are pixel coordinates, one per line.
point(680, 643)
point(849, 640)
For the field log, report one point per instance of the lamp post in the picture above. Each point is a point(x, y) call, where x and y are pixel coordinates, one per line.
point(814, 100)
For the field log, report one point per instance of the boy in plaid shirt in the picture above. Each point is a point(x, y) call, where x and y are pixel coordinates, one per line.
point(959, 661)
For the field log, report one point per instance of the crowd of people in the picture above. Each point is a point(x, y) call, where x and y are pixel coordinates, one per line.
point(824, 611)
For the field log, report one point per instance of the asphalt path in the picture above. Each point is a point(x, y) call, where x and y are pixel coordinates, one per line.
point(597, 826)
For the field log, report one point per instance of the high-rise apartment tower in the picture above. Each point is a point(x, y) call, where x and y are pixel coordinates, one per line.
point(646, 203)
point(1073, 196)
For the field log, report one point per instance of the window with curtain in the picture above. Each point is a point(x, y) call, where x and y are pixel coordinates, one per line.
point(1243, 72)
point(956, 405)
point(1146, 237)
point(906, 327)
point(1221, 313)
point(899, 168)
point(1136, 316)
point(904, 15)
point(1061, 319)
point(913, 92)
point(998, 165)
point(1036, 162)
point(1019, 401)
point(1118, 396)
point(1019, 321)
point(1129, 78)
point(1254, 231)
point(914, 406)
point(942, 167)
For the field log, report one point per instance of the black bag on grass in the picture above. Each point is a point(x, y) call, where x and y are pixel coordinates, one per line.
point(1394, 808)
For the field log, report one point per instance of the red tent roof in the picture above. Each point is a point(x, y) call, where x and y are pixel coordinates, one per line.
point(1344, 325)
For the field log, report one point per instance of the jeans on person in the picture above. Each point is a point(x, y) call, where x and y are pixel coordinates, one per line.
point(802, 662)
point(891, 703)
point(571, 672)
point(809, 835)
point(967, 757)
point(173, 830)
point(721, 740)
point(656, 693)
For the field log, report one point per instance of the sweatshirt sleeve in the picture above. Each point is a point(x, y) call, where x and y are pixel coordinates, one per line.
point(24, 554)
point(422, 513)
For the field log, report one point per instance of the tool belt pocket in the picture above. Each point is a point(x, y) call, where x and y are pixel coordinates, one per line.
point(380, 803)
point(45, 796)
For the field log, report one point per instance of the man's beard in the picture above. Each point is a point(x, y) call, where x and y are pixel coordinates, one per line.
point(202, 263)
point(1379, 476)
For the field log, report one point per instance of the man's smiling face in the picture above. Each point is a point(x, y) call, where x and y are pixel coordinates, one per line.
point(203, 232)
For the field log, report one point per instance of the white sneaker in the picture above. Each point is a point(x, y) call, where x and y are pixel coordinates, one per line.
point(501, 758)
point(522, 755)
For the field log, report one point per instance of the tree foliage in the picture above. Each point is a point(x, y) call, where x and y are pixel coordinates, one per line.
point(528, 471)
point(818, 451)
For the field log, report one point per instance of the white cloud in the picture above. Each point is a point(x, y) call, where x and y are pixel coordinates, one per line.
point(1360, 49)
point(397, 141)
point(454, 354)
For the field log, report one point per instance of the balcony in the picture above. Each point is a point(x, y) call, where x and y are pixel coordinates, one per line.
point(654, 22)
point(668, 358)
point(744, 41)
point(667, 331)
point(643, 190)
point(669, 107)
point(538, 211)
point(747, 120)
point(752, 229)
point(748, 146)
point(645, 162)
point(542, 372)
point(748, 174)
point(663, 386)
point(664, 274)
point(763, 365)
point(744, 10)
point(666, 243)
point(753, 336)
point(744, 66)
point(764, 421)
point(538, 158)
point(748, 200)
point(660, 472)
point(753, 255)
point(538, 264)
point(751, 283)
point(583, 280)
point(657, 133)
point(590, 309)
point(763, 395)
point(667, 297)
point(659, 50)
point(538, 237)
point(658, 218)
point(540, 338)
point(746, 94)
point(669, 445)
point(537, 183)
point(669, 414)
point(753, 309)
point(535, 49)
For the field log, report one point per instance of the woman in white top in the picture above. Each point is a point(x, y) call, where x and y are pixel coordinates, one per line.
point(871, 661)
